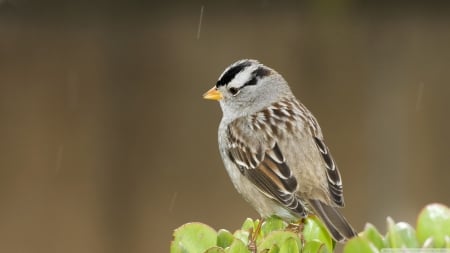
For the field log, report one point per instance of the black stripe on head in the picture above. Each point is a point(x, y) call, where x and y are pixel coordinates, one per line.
point(258, 73)
point(261, 72)
point(231, 73)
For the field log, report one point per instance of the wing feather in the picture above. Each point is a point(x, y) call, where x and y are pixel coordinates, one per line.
point(332, 172)
point(266, 168)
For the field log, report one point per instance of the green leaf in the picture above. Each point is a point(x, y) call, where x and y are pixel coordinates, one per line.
point(315, 246)
point(276, 238)
point(193, 237)
point(241, 235)
point(272, 223)
point(224, 238)
point(401, 235)
point(359, 245)
point(289, 246)
point(372, 234)
point(244, 232)
point(215, 250)
point(237, 247)
point(248, 223)
point(274, 249)
point(408, 235)
point(434, 222)
point(315, 230)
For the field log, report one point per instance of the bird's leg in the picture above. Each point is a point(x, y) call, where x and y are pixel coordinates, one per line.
point(297, 227)
point(253, 235)
point(251, 242)
point(301, 227)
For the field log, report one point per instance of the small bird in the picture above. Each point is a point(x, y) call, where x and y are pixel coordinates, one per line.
point(273, 148)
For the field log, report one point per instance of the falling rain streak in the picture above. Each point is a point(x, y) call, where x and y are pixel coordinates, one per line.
point(59, 157)
point(419, 97)
point(199, 29)
point(172, 201)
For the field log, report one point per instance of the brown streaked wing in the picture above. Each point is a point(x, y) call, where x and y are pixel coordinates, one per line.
point(333, 175)
point(267, 169)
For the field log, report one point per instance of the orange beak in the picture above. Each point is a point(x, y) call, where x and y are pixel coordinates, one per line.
point(213, 94)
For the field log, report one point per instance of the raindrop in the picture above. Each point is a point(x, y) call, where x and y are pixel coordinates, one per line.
point(199, 29)
point(59, 158)
point(172, 201)
point(419, 96)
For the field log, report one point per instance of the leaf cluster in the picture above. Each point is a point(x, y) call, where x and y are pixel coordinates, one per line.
point(276, 236)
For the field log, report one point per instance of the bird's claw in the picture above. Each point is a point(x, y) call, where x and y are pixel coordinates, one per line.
point(253, 235)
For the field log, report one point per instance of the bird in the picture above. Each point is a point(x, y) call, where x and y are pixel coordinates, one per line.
point(273, 149)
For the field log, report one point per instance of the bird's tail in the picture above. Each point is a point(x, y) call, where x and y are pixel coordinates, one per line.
point(336, 223)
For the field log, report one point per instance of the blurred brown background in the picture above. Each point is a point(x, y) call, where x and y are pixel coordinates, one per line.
point(107, 146)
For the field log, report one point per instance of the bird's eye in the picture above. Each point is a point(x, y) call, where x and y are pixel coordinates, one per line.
point(234, 91)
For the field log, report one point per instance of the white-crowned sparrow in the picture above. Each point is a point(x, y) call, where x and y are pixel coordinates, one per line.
point(273, 148)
